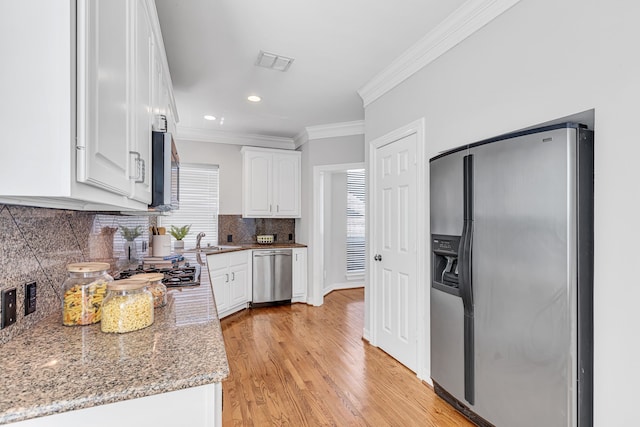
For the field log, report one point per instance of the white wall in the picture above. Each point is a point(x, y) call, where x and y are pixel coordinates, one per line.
point(337, 234)
point(229, 159)
point(320, 152)
point(541, 60)
point(335, 226)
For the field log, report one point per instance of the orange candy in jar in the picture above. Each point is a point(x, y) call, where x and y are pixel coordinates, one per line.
point(156, 287)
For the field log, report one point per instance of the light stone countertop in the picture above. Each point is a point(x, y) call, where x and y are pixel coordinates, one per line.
point(244, 247)
point(53, 368)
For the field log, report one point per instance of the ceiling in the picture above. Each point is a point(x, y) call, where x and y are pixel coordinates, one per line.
point(338, 46)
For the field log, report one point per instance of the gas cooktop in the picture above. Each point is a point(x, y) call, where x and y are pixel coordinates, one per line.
point(175, 276)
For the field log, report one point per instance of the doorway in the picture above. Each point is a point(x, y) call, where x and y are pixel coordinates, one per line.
point(329, 185)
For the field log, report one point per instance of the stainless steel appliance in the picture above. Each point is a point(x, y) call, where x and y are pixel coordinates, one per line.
point(176, 275)
point(512, 278)
point(272, 278)
point(165, 174)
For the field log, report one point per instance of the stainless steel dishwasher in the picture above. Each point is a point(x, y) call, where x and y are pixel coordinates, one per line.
point(272, 282)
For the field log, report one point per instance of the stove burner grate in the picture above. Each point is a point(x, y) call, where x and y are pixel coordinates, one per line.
point(184, 275)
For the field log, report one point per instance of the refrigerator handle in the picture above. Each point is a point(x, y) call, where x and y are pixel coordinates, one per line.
point(465, 280)
point(467, 238)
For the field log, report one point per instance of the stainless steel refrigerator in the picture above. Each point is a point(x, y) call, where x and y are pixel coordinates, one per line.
point(512, 278)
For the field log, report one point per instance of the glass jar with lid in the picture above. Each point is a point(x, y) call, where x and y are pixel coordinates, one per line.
point(156, 287)
point(127, 307)
point(83, 292)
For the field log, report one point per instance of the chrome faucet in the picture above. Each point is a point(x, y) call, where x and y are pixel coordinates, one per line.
point(198, 238)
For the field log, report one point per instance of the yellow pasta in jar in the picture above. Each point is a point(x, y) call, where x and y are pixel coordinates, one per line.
point(127, 307)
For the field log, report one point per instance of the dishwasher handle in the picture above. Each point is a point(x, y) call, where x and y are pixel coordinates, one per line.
point(272, 254)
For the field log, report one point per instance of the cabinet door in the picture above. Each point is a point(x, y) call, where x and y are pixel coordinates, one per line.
point(141, 106)
point(238, 289)
point(220, 280)
point(286, 185)
point(103, 116)
point(218, 266)
point(239, 271)
point(299, 274)
point(257, 184)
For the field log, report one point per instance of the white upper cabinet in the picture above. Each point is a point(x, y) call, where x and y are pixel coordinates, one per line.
point(79, 89)
point(286, 185)
point(142, 104)
point(271, 183)
point(104, 119)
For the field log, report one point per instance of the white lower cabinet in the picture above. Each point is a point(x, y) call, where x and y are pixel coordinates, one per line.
point(196, 406)
point(299, 275)
point(229, 275)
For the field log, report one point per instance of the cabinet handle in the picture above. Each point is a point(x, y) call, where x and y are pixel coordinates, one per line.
point(233, 276)
point(140, 168)
point(269, 208)
point(227, 278)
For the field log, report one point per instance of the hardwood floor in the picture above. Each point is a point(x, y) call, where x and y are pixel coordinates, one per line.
point(309, 366)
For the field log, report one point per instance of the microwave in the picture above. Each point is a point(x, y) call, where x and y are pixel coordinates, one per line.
point(165, 172)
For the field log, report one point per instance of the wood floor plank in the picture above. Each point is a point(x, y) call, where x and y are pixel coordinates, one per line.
point(300, 365)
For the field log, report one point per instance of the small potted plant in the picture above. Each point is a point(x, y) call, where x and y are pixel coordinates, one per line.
point(179, 233)
point(129, 235)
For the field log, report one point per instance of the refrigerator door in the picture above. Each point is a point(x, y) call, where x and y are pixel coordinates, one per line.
point(447, 312)
point(524, 263)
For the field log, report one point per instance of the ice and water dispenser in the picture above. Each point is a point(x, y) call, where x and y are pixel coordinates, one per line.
point(444, 252)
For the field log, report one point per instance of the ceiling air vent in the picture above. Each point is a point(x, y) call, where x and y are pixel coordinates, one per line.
point(273, 61)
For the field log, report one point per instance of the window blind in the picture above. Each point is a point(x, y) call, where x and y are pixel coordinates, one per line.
point(198, 204)
point(103, 222)
point(355, 220)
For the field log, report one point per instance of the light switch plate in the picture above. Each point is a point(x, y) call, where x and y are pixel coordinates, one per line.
point(9, 302)
point(30, 297)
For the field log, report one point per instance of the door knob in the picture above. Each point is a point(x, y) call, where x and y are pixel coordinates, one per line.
point(377, 257)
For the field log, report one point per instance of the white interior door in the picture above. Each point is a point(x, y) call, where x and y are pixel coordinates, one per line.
point(395, 250)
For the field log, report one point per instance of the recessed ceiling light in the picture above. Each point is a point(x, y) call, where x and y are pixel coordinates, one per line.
point(254, 98)
point(208, 117)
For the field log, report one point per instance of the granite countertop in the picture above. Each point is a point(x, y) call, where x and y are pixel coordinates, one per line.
point(248, 246)
point(53, 368)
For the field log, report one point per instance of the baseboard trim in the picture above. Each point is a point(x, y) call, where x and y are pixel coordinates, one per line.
point(343, 285)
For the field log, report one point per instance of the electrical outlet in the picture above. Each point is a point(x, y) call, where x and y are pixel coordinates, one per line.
point(9, 302)
point(275, 237)
point(229, 238)
point(30, 297)
point(290, 236)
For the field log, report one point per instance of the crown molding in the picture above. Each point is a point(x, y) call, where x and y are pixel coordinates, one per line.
point(332, 130)
point(463, 22)
point(220, 137)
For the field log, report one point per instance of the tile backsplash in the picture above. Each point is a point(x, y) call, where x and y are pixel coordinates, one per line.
point(245, 230)
point(38, 243)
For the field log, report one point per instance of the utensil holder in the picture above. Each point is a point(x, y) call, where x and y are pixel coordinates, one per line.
point(162, 245)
